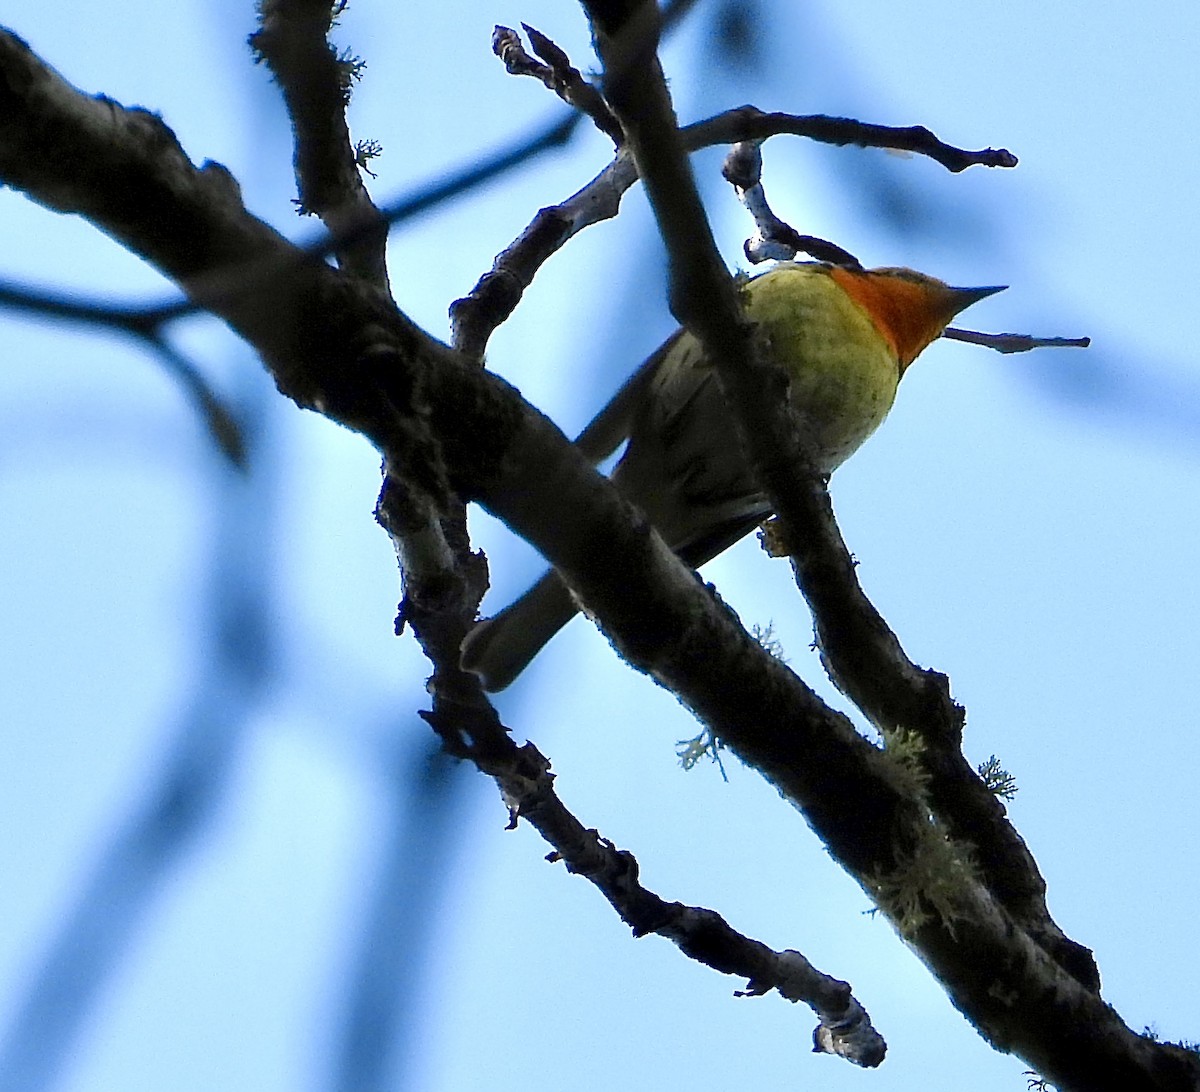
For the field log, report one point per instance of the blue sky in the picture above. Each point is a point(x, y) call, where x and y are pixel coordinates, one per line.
point(1028, 525)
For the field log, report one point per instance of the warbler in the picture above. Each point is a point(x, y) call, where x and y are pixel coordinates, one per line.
point(844, 336)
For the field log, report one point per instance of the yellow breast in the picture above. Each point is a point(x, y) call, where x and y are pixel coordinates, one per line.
point(843, 372)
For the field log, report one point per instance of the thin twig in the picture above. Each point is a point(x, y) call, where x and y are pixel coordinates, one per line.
point(1014, 343)
point(772, 238)
point(492, 300)
point(475, 317)
point(557, 73)
point(750, 123)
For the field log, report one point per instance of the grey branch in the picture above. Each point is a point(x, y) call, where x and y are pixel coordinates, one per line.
point(557, 73)
point(773, 239)
point(1015, 343)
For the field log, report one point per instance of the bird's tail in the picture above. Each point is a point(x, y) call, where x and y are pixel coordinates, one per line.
point(498, 649)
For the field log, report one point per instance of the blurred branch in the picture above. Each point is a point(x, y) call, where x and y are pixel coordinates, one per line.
point(129, 871)
point(146, 325)
point(425, 797)
point(552, 134)
point(146, 320)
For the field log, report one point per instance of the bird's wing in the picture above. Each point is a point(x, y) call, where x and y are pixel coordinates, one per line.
point(610, 427)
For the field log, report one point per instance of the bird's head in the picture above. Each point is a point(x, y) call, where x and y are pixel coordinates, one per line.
point(908, 308)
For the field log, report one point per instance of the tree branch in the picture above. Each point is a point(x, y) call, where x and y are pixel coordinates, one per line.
point(558, 74)
point(750, 123)
point(1015, 343)
point(316, 82)
point(772, 238)
point(475, 317)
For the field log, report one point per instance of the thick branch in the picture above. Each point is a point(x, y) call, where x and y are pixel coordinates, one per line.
point(864, 659)
point(321, 357)
point(344, 351)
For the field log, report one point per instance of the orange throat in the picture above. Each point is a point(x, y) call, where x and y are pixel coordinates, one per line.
point(905, 312)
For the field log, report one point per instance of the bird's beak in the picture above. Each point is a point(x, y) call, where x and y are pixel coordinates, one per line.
point(962, 298)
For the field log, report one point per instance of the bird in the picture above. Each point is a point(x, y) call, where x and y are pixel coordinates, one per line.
point(843, 335)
